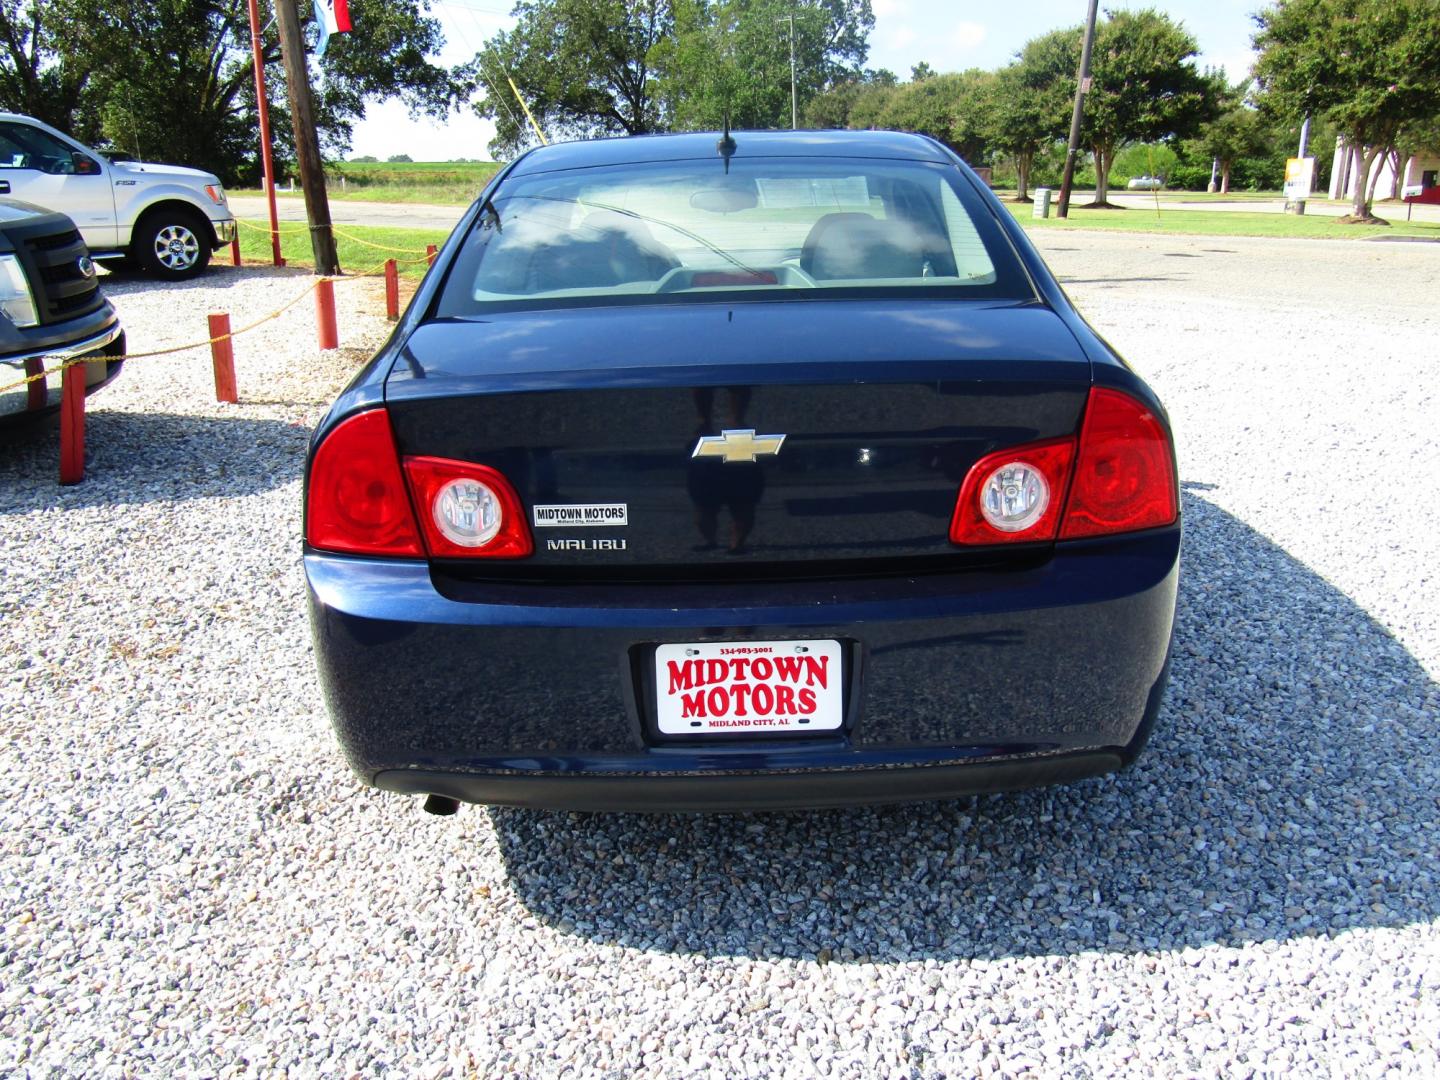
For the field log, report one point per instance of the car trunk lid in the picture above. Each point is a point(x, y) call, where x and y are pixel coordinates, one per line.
point(735, 440)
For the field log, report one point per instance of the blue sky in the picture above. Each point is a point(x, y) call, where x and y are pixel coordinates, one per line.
point(949, 34)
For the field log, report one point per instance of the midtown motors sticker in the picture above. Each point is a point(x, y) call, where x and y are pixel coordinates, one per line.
point(581, 514)
point(744, 687)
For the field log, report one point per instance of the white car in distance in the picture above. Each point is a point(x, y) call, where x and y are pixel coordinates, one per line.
point(165, 218)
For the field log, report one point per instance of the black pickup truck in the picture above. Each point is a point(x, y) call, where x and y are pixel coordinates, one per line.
point(51, 309)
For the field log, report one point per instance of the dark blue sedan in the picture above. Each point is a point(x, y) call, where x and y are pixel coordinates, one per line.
point(733, 472)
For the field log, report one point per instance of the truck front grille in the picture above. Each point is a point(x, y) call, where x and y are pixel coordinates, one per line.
point(62, 289)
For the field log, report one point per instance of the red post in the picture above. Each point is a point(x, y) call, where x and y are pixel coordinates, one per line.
point(222, 358)
point(235, 251)
point(37, 394)
point(392, 290)
point(327, 331)
point(430, 250)
point(72, 424)
point(257, 54)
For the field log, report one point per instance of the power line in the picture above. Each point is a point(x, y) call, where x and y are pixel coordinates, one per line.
point(470, 7)
point(495, 94)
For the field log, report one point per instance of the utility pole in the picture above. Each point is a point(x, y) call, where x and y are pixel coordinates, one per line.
point(262, 103)
point(1082, 85)
point(794, 106)
point(307, 143)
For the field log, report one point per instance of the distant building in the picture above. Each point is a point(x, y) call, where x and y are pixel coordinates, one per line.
point(1422, 169)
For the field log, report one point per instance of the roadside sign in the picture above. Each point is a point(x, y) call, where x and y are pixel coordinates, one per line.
point(1299, 178)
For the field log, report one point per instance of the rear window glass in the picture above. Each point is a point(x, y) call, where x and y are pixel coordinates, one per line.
point(690, 230)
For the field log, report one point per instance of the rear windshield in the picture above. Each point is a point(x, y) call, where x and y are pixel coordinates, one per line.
point(780, 227)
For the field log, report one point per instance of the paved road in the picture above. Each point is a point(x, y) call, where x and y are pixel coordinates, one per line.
point(345, 212)
point(1144, 200)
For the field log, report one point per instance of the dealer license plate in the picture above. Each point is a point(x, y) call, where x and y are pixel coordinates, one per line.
point(731, 687)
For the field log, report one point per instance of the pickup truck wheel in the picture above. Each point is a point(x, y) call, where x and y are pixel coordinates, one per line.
point(174, 245)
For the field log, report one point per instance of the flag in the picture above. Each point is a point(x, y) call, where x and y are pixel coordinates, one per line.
point(332, 17)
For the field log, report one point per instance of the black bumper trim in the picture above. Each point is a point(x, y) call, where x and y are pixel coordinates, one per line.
point(750, 791)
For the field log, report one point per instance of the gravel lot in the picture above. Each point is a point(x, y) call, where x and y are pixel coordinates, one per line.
point(191, 883)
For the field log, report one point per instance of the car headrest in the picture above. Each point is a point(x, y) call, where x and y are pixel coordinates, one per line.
point(853, 245)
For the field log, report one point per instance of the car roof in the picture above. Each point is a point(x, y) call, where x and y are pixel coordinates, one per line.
point(634, 149)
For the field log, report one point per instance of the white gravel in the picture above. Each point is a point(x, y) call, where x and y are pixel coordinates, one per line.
point(191, 883)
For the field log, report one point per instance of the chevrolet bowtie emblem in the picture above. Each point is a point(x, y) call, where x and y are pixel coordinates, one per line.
point(737, 444)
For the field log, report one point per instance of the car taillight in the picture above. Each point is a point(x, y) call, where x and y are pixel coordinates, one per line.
point(467, 510)
point(1124, 473)
point(1118, 477)
point(356, 502)
point(1014, 496)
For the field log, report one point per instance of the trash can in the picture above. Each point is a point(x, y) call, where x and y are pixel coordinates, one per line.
point(1042, 202)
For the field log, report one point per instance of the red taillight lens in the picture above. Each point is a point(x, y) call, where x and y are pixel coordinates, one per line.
point(1125, 472)
point(1124, 480)
point(467, 511)
point(1014, 496)
point(356, 502)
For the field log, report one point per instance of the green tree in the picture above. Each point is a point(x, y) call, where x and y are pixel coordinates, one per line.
point(1145, 87)
point(1236, 132)
point(847, 102)
point(950, 107)
point(732, 57)
point(399, 159)
point(173, 79)
point(1369, 66)
point(583, 67)
point(1028, 106)
point(831, 107)
point(44, 74)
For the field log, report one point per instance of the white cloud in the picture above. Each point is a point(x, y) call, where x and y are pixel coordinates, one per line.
point(387, 129)
point(966, 36)
point(1236, 64)
point(900, 38)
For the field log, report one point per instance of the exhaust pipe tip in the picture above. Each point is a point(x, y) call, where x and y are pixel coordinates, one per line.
point(441, 805)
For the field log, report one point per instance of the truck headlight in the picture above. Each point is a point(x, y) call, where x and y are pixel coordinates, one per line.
point(216, 193)
point(16, 300)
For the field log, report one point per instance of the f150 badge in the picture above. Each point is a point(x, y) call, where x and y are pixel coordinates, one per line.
point(737, 445)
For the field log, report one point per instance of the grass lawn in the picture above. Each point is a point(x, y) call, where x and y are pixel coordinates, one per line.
point(353, 243)
point(1222, 223)
point(1088, 194)
point(444, 183)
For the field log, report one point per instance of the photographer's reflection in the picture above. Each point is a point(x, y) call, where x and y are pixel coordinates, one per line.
point(714, 483)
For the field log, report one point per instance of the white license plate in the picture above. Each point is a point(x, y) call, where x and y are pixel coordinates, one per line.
point(736, 688)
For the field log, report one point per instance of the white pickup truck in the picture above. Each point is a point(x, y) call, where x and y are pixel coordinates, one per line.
point(164, 218)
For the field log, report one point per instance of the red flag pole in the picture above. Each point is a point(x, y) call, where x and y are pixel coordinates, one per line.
point(257, 50)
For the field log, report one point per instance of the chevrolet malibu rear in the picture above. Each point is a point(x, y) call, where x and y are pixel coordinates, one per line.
point(740, 472)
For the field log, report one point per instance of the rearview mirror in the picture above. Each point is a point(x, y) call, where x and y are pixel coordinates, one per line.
point(725, 200)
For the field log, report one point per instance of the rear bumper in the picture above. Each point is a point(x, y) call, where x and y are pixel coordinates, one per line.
point(962, 683)
point(810, 790)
